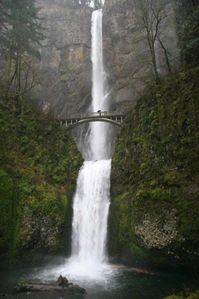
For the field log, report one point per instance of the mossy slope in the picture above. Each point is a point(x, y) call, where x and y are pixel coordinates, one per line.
point(39, 165)
point(194, 295)
point(155, 190)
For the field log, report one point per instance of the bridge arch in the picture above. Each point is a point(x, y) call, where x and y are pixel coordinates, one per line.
point(114, 118)
point(88, 120)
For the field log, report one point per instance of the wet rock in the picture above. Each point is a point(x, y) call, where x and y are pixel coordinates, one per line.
point(62, 285)
point(156, 233)
point(63, 281)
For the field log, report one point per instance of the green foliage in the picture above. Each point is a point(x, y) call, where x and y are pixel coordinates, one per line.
point(39, 165)
point(20, 26)
point(20, 32)
point(156, 162)
point(188, 21)
point(190, 39)
point(6, 208)
point(194, 295)
point(121, 230)
point(21, 286)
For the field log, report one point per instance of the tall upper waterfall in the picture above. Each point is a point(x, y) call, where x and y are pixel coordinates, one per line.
point(92, 198)
point(99, 131)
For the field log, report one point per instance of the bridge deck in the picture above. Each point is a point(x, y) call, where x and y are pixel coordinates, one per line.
point(104, 116)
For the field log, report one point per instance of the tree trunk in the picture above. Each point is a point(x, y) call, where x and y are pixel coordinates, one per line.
point(154, 62)
point(166, 55)
point(151, 43)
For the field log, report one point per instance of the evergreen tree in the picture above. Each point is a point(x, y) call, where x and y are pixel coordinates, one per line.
point(150, 16)
point(20, 32)
point(4, 9)
point(188, 30)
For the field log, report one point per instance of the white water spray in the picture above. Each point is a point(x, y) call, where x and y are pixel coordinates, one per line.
point(92, 198)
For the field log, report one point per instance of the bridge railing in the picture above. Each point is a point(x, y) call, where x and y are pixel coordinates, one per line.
point(92, 114)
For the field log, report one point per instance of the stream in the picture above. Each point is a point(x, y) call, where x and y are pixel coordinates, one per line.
point(117, 282)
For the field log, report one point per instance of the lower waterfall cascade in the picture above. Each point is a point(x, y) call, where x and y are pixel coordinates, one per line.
point(91, 205)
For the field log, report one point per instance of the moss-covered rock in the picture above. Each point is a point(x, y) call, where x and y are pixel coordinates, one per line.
point(39, 166)
point(155, 188)
point(194, 295)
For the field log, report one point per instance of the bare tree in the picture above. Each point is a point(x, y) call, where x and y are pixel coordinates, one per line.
point(151, 15)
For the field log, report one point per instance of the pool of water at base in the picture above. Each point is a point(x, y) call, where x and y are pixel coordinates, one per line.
point(122, 283)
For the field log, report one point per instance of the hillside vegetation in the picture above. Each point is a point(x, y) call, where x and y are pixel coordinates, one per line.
point(155, 205)
point(39, 164)
point(155, 174)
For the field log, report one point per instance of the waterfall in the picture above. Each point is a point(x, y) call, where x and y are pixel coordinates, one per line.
point(98, 135)
point(91, 205)
point(92, 198)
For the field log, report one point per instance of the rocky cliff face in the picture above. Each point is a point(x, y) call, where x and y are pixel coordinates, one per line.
point(64, 70)
point(127, 53)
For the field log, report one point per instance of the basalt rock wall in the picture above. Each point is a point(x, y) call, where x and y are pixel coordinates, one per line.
point(127, 53)
point(64, 69)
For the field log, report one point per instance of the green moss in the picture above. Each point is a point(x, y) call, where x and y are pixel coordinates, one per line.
point(174, 297)
point(194, 295)
point(39, 166)
point(156, 162)
point(122, 239)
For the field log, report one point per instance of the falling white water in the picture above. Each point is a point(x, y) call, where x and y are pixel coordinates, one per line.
point(98, 100)
point(99, 131)
point(92, 198)
point(92, 3)
point(91, 205)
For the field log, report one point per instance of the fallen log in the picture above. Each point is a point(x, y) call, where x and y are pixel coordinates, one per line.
point(23, 287)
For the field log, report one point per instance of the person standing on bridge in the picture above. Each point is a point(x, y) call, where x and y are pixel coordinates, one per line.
point(99, 111)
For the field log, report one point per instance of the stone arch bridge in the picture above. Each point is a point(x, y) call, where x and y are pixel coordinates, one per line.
point(115, 118)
